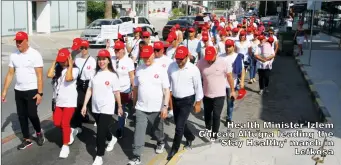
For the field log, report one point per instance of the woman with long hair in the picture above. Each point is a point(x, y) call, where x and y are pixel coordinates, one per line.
point(300, 35)
point(243, 46)
point(133, 46)
point(104, 89)
point(64, 76)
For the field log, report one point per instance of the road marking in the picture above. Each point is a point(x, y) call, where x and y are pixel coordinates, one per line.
point(156, 158)
point(176, 157)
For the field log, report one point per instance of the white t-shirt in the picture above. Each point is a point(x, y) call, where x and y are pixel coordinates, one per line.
point(24, 65)
point(230, 59)
point(163, 61)
point(103, 85)
point(150, 80)
point(134, 45)
point(125, 65)
point(192, 47)
point(249, 37)
point(243, 48)
point(89, 68)
point(275, 40)
point(289, 22)
point(266, 64)
point(66, 92)
point(221, 48)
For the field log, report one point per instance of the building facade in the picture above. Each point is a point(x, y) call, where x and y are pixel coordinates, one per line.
point(42, 16)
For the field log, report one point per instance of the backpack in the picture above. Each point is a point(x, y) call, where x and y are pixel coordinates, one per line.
point(238, 64)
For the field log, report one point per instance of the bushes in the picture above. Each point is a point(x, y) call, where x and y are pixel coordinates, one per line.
point(176, 13)
point(96, 10)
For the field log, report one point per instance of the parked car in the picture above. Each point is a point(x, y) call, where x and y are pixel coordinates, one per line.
point(138, 21)
point(191, 19)
point(199, 22)
point(92, 33)
point(183, 25)
point(154, 36)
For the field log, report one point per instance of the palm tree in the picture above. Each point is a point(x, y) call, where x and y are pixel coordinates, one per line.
point(108, 9)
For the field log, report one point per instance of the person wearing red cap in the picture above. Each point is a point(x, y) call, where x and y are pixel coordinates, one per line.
point(164, 61)
point(221, 43)
point(254, 48)
point(139, 60)
point(243, 46)
point(187, 91)
point(172, 40)
point(264, 56)
point(192, 44)
point(111, 43)
point(300, 35)
point(133, 46)
point(104, 89)
point(27, 65)
point(86, 65)
point(146, 37)
point(274, 44)
point(124, 66)
point(214, 72)
point(235, 69)
point(249, 35)
point(64, 77)
point(179, 34)
point(151, 107)
point(222, 21)
point(235, 34)
point(261, 28)
point(76, 44)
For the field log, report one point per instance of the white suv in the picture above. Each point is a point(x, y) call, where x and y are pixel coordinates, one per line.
point(138, 21)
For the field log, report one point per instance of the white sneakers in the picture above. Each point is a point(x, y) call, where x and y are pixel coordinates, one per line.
point(74, 133)
point(111, 144)
point(95, 125)
point(64, 152)
point(98, 160)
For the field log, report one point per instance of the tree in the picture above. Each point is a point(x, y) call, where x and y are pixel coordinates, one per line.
point(108, 9)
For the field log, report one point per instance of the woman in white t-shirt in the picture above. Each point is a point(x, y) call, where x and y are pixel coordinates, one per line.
point(264, 56)
point(254, 46)
point(124, 66)
point(133, 46)
point(104, 89)
point(64, 75)
point(86, 65)
point(243, 46)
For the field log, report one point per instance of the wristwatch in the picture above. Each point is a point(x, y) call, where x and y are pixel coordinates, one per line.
point(166, 106)
point(41, 94)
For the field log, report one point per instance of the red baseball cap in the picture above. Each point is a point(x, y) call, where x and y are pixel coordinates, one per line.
point(242, 33)
point(63, 55)
point(256, 33)
point(239, 25)
point(138, 29)
point(158, 45)
point(204, 28)
point(103, 53)
point(261, 23)
point(241, 93)
point(229, 42)
point(21, 36)
point(222, 18)
point(271, 40)
point(146, 34)
point(235, 30)
point(119, 36)
point(177, 26)
point(223, 33)
point(76, 43)
point(171, 37)
point(261, 37)
point(228, 28)
point(219, 28)
point(204, 37)
point(210, 53)
point(216, 23)
point(85, 43)
point(244, 21)
point(249, 29)
point(146, 51)
point(181, 52)
point(191, 29)
point(119, 45)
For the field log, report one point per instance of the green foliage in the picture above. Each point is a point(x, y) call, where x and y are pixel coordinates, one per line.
point(177, 12)
point(96, 10)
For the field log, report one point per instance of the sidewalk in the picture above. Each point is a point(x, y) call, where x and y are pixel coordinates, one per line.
point(323, 76)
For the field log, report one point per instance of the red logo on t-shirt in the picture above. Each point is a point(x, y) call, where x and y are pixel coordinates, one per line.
point(164, 65)
point(107, 83)
point(123, 67)
point(156, 76)
point(89, 67)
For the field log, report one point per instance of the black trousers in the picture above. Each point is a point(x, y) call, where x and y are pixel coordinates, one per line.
point(264, 78)
point(77, 118)
point(103, 132)
point(181, 109)
point(27, 109)
point(213, 108)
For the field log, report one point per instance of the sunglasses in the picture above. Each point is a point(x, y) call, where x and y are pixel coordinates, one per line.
point(145, 37)
point(84, 48)
point(156, 50)
point(116, 50)
point(271, 33)
point(179, 59)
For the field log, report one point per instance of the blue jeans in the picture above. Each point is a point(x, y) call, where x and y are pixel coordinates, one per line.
point(252, 68)
point(122, 119)
point(230, 104)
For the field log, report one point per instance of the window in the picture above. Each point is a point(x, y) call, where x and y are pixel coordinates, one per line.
point(150, 30)
point(98, 23)
point(180, 22)
point(115, 22)
point(141, 20)
point(146, 20)
point(126, 19)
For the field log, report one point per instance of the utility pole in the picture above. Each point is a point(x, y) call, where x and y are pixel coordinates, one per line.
point(108, 9)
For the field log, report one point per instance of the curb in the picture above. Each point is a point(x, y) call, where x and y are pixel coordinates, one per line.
point(324, 114)
point(46, 126)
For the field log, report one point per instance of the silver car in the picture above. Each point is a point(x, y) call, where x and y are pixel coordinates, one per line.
point(93, 32)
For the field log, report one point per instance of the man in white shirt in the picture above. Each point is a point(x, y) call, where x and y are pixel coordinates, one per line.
point(27, 66)
point(151, 97)
point(171, 39)
point(203, 44)
point(192, 44)
point(231, 56)
point(164, 61)
point(185, 80)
